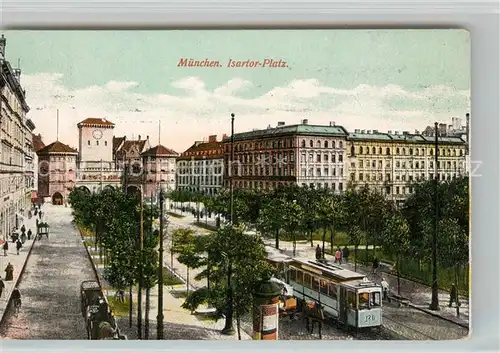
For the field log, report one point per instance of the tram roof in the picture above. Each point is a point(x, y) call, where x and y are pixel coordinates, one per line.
point(329, 269)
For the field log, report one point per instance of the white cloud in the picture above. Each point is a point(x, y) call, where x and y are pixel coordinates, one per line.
point(197, 112)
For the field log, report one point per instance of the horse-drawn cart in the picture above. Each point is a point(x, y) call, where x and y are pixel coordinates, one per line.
point(43, 229)
point(99, 321)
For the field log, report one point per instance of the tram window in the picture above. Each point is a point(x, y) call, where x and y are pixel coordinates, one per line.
point(299, 278)
point(315, 284)
point(293, 274)
point(307, 280)
point(375, 300)
point(363, 300)
point(332, 290)
point(351, 300)
point(324, 287)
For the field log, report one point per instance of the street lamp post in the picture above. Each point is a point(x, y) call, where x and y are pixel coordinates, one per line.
point(159, 319)
point(228, 327)
point(435, 299)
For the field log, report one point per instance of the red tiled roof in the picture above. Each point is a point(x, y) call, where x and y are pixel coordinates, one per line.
point(57, 147)
point(37, 142)
point(200, 150)
point(160, 151)
point(96, 121)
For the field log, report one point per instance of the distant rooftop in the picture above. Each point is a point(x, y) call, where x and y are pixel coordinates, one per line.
point(96, 122)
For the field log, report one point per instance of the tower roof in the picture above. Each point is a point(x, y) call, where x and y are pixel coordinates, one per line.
point(96, 122)
point(57, 147)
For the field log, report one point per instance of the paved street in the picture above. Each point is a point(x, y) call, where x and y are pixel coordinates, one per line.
point(50, 284)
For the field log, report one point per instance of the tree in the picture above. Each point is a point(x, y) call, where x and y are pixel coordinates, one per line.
point(237, 260)
point(397, 238)
point(184, 244)
point(271, 217)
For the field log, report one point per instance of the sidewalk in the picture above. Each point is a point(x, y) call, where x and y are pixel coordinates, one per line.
point(17, 261)
point(418, 294)
point(179, 323)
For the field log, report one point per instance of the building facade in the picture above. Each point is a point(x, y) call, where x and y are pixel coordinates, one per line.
point(17, 168)
point(330, 157)
point(57, 172)
point(37, 146)
point(300, 154)
point(200, 167)
point(390, 162)
point(159, 169)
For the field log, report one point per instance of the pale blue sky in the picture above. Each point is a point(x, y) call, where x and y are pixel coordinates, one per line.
point(379, 79)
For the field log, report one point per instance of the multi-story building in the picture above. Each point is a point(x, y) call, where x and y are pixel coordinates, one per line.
point(390, 161)
point(329, 156)
point(200, 167)
point(16, 164)
point(56, 172)
point(159, 167)
point(37, 146)
point(303, 154)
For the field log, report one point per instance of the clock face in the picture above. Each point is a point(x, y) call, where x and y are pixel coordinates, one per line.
point(97, 134)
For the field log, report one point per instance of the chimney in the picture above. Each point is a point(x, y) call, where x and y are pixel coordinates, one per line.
point(406, 132)
point(368, 132)
point(147, 137)
point(3, 41)
point(417, 132)
point(281, 123)
point(212, 138)
point(224, 137)
point(363, 131)
point(332, 123)
point(389, 132)
point(305, 122)
point(375, 131)
point(139, 137)
point(356, 131)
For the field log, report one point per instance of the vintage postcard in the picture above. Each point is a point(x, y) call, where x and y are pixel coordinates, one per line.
point(235, 185)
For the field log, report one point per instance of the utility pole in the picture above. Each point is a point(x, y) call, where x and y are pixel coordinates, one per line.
point(101, 176)
point(159, 318)
point(198, 199)
point(148, 289)
point(228, 327)
point(435, 289)
point(141, 264)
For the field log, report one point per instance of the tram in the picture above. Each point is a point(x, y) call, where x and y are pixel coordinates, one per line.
point(346, 296)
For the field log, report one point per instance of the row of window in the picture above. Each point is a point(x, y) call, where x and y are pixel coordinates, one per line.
point(322, 158)
point(325, 172)
point(263, 171)
point(207, 180)
point(200, 171)
point(411, 165)
point(265, 157)
point(97, 143)
point(450, 152)
point(326, 144)
point(329, 289)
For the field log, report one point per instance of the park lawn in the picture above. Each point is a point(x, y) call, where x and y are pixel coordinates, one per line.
point(118, 308)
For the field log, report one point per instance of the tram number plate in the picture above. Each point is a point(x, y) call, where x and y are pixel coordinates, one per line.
point(369, 318)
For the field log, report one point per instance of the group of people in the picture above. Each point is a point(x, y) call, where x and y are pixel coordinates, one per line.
point(340, 254)
point(19, 240)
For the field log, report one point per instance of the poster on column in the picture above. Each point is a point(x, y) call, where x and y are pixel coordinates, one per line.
point(270, 322)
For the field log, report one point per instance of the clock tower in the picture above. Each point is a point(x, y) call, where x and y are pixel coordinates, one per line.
point(95, 138)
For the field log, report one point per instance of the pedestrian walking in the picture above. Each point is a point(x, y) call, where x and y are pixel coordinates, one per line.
point(19, 245)
point(9, 272)
point(5, 248)
point(23, 238)
point(319, 253)
point(345, 254)
point(375, 265)
point(338, 256)
point(385, 288)
point(2, 286)
point(23, 229)
point(453, 296)
point(29, 234)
